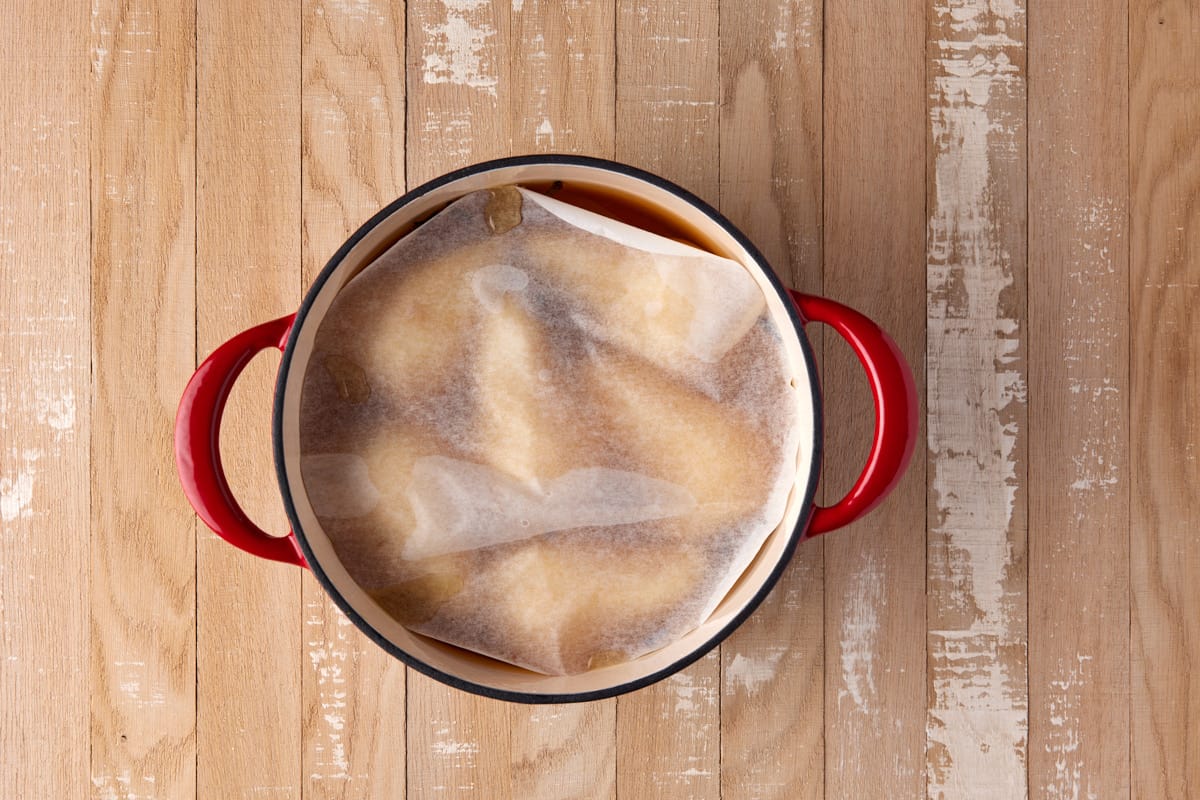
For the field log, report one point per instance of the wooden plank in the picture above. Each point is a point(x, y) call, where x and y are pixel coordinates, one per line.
point(770, 172)
point(485, 81)
point(562, 76)
point(143, 562)
point(1078, 402)
point(353, 165)
point(457, 104)
point(668, 121)
point(44, 401)
point(458, 744)
point(247, 271)
point(564, 751)
point(668, 82)
point(977, 725)
point(874, 260)
point(1164, 435)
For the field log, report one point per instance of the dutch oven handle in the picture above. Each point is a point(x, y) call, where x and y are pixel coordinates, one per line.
point(895, 395)
point(197, 443)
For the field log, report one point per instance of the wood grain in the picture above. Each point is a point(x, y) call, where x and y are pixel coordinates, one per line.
point(977, 724)
point(668, 121)
point(177, 172)
point(143, 592)
point(44, 402)
point(874, 201)
point(772, 676)
point(457, 105)
point(1164, 435)
point(459, 745)
point(564, 751)
point(1078, 402)
point(560, 67)
point(248, 726)
point(352, 164)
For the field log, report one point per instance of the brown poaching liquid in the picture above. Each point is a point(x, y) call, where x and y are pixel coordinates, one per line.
point(625, 207)
point(604, 200)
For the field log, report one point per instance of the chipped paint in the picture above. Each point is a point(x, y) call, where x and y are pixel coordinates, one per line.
point(328, 657)
point(981, 768)
point(124, 785)
point(452, 748)
point(860, 635)
point(102, 39)
point(45, 395)
point(682, 689)
point(1077, 765)
point(455, 49)
point(794, 26)
point(751, 672)
point(1093, 393)
point(1063, 699)
point(977, 724)
point(140, 687)
point(55, 408)
point(688, 704)
point(16, 489)
point(99, 59)
point(689, 697)
point(538, 74)
point(452, 129)
point(545, 133)
point(357, 10)
point(459, 753)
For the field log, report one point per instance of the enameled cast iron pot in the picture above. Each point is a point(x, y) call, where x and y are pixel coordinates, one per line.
point(199, 419)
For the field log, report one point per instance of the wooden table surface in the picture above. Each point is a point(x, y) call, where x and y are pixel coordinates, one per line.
point(1015, 196)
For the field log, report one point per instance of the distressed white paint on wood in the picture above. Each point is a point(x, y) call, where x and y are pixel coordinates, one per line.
point(143, 594)
point(457, 49)
point(977, 725)
point(457, 86)
point(327, 645)
point(859, 641)
point(1078, 366)
point(534, 125)
point(1078, 391)
point(1071, 778)
point(1097, 466)
point(44, 409)
point(561, 74)
point(1094, 471)
point(668, 735)
point(16, 489)
point(458, 744)
point(668, 83)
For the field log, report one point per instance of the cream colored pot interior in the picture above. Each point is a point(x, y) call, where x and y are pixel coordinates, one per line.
point(451, 660)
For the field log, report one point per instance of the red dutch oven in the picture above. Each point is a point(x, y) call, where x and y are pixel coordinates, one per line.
point(199, 418)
